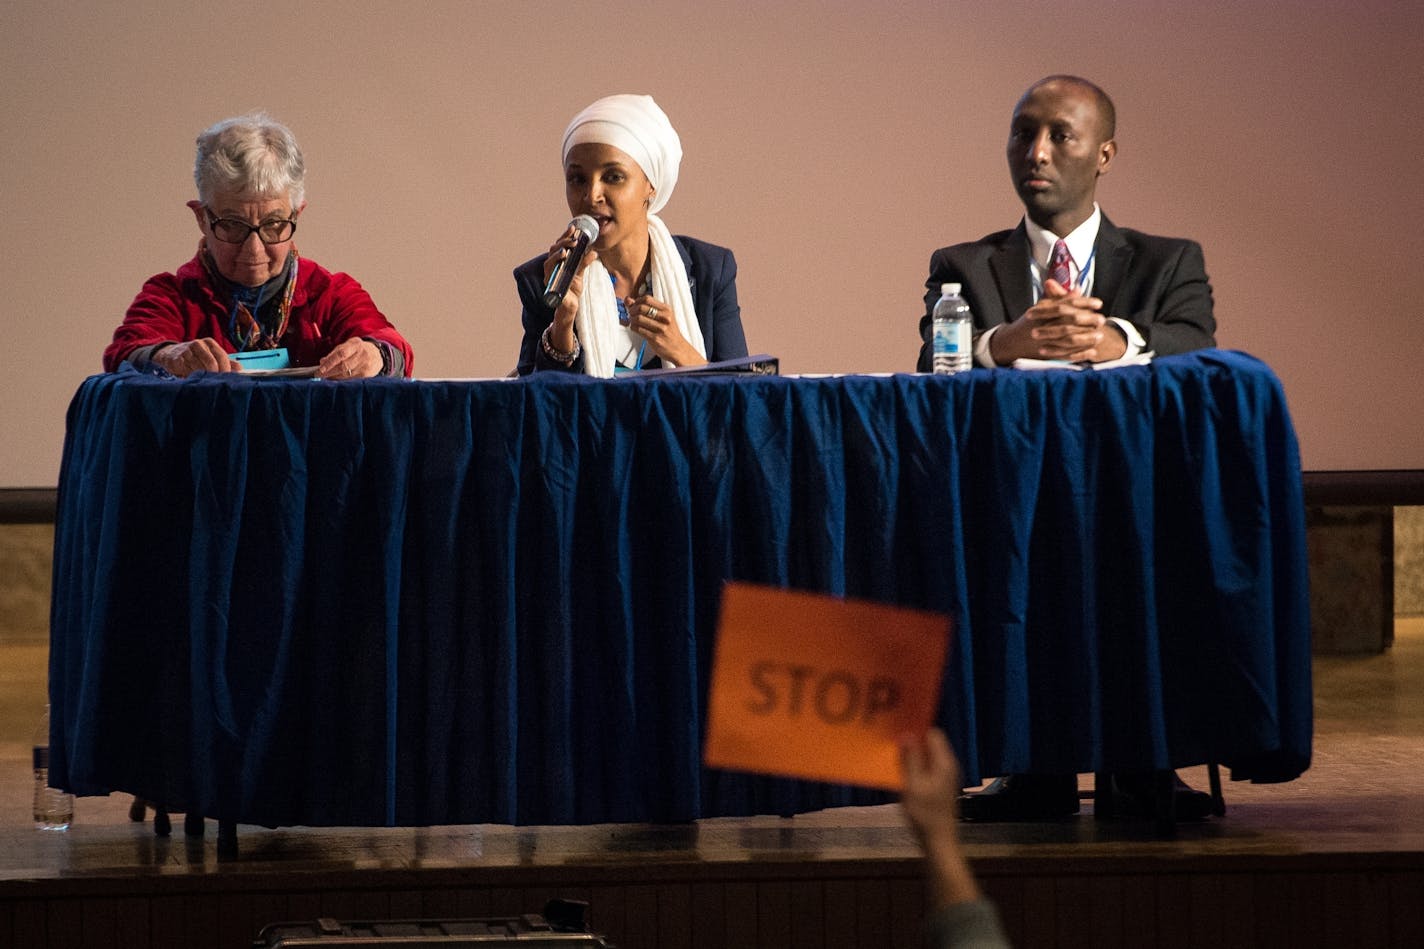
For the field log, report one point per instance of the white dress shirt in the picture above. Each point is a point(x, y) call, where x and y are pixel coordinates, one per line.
point(1082, 270)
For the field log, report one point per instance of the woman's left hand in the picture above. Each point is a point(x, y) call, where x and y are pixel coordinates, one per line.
point(652, 319)
point(353, 359)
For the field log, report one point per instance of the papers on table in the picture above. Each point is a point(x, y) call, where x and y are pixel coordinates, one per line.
point(291, 372)
point(1141, 359)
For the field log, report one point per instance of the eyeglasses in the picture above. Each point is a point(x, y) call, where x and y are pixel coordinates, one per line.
point(231, 231)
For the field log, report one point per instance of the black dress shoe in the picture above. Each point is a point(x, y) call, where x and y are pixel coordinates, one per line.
point(1023, 797)
point(1141, 795)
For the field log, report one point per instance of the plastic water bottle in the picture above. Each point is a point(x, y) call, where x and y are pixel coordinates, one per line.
point(54, 809)
point(953, 326)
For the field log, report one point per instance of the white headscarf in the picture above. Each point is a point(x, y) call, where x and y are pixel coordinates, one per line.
point(635, 125)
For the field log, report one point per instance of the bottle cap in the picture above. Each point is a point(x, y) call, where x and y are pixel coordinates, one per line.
point(949, 289)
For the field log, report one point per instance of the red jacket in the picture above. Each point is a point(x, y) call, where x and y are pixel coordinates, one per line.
point(327, 309)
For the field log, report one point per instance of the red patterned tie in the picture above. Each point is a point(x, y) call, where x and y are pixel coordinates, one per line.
point(1058, 266)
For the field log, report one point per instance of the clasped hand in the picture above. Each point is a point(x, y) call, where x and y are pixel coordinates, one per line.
point(1063, 324)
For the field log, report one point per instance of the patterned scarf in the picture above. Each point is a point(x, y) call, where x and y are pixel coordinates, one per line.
point(257, 316)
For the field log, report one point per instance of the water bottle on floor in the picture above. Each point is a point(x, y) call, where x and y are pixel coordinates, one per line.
point(54, 809)
point(953, 329)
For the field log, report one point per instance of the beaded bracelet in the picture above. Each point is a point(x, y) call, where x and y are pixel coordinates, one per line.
point(566, 358)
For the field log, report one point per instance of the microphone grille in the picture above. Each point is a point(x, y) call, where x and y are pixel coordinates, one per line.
point(588, 225)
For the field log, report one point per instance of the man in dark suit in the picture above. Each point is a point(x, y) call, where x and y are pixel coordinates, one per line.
point(1116, 292)
point(1067, 284)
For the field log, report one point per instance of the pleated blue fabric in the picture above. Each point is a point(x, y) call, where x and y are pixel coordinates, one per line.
point(296, 602)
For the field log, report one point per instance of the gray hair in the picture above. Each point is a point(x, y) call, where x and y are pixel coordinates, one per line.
point(251, 155)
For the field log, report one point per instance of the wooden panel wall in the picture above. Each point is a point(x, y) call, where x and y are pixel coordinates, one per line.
point(873, 910)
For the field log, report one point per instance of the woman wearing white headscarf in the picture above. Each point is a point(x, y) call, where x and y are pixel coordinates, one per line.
point(643, 297)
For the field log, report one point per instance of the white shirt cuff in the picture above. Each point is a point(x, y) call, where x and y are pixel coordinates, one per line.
point(1135, 342)
point(981, 349)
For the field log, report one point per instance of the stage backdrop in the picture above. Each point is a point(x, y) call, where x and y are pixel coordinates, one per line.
point(832, 145)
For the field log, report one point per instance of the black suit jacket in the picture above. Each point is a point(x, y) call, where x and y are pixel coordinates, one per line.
point(1158, 284)
point(711, 275)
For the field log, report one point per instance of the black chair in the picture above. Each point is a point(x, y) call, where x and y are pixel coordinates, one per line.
point(193, 825)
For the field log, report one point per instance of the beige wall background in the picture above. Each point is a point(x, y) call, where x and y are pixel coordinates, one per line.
point(832, 145)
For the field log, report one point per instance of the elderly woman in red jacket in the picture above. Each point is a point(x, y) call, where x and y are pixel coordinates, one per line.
point(247, 289)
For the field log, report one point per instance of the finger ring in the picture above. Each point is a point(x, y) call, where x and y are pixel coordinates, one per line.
point(650, 312)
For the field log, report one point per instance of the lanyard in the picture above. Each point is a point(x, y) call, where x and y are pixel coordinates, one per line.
point(1087, 270)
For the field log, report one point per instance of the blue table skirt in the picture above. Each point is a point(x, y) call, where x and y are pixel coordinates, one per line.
point(389, 602)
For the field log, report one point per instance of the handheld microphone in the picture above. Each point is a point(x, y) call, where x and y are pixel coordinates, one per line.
point(564, 270)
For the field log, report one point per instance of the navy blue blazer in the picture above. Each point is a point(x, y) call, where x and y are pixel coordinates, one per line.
point(711, 274)
point(1158, 284)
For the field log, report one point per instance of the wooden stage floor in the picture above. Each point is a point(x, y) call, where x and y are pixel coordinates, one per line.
point(1333, 858)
